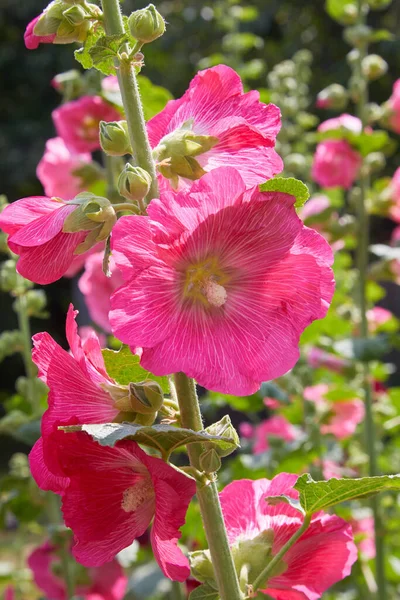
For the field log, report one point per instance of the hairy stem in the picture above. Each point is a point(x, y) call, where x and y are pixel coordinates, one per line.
point(362, 265)
point(141, 150)
point(262, 578)
point(207, 495)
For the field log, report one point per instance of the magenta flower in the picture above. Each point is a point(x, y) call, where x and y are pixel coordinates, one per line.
point(364, 536)
point(113, 494)
point(76, 394)
point(106, 583)
point(340, 418)
point(318, 358)
point(335, 164)
point(97, 289)
point(344, 121)
point(77, 122)
point(276, 426)
point(229, 127)
point(219, 283)
point(315, 206)
point(56, 169)
point(394, 105)
point(378, 316)
point(32, 41)
point(322, 556)
point(36, 228)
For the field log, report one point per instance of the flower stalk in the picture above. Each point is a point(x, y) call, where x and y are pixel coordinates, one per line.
point(362, 266)
point(24, 327)
point(207, 495)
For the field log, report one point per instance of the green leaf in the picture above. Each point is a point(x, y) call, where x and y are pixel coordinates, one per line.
point(154, 97)
point(83, 54)
point(204, 592)
point(288, 185)
point(164, 438)
point(364, 142)
point(124, 367)
point(274, 500)
point(382, 35)
point(104, 52)
point(320, 495)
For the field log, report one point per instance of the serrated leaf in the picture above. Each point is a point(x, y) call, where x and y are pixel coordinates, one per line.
point(204, 592)
point(320, 495)
point(83, 54)
point(124, 367)
point(288, 185)
point(104, 52)
point(164, 438)
point(274, 500)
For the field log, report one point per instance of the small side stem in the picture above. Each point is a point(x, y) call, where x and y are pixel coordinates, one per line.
point(177, 592)
point(141, 148)
point(207, 495)
point(24, 327)
point(262, 578)
point(362, 265)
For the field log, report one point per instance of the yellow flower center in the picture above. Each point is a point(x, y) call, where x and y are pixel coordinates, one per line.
point(90, 128)
point(205, 283)
point(138, 494)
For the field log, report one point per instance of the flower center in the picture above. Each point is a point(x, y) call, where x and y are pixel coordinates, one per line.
point(204, 282)
point(90, 128)
point(138, 494)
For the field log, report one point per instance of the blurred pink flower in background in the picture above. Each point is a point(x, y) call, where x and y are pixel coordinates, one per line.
point(97, 288)
point(317, 358)
point(394, 192)
point(56, 167)
point(346, 121)
point(364, 536)
point(276, 426)
point(378, 316)
point(77, 122)
point(106, 583)
point(314, 206)
point(394, 105)
point(322, 556)
point(335, 164)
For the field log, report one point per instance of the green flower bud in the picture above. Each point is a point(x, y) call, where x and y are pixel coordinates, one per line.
point(146, 25)
point(334, 96)
point(36, 302)
point(70, 22)
point(353, 56)
point(373, 112)
point(303, 57)
point(139, 402)
point(10, 342)
point(114, 138)
point(379, 4)
point(134, 183)
point(357, 36)
point(93, 214)
point(374, 66)
point(375, 161)
point(8, 276)
point(69, 83)
point(296, 163)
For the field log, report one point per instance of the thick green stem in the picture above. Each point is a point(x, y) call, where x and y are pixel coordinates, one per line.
point(24, 327)
point(362, 265)
point(207, 495)
point(141, 149)
point(263, 577)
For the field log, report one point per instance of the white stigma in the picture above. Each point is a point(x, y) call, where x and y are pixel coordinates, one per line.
point(136, 495)
point(215, 293)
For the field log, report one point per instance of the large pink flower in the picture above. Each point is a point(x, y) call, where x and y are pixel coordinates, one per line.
point(75, 392)
point(35, 228)
point(335, 164)
point(97, 288)
point(342, 417)
point(77, 122)
point(394, 105)
point(215, 105)
point(106, 583)
point(322, 556)
point(31, 40)
point(219, 283)
point(112, 496)
point(276, 426)
point(56, 169)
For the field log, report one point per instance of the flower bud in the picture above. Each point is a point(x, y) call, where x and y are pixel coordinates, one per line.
point(142, 398)
point(114, 138)
point(35, 303)
point(374, 66)
point(68, 22)
point(373, 112)
point(357, 36)
point(134, 183)
point(375, 161)
point(303, 57)
point(75, 15)
point(93, 214)
point(8, 276)
point(295, 163)
point(334, 96)
point(146, 25)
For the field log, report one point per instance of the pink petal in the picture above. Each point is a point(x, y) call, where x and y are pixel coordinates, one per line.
point(41, 474)
point(24, 211)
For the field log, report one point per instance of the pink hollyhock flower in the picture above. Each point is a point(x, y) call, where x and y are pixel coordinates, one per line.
point(219, 283)
point(343, 417)
point(335, 164)
point(77, 122)
point(333, 470)
point(346, 121)
point(56, 169)
point(276, 426)
point(315, 206)
point(317, 358)
point(112, 496)
point(106, 583)
point(86, 332)
point(32, 41)
point(75, 382)
point(36, 232)
point(377, 317)
point(9, 593)
point(271, 403)
point(110, 84)
point(79, 260)
point(364, 536)
point(322, 556)
point(97, 289)
point(394, 105)
point(243, 130)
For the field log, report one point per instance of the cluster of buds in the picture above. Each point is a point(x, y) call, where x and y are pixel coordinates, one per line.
point(93, 214)
point(137, 402)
